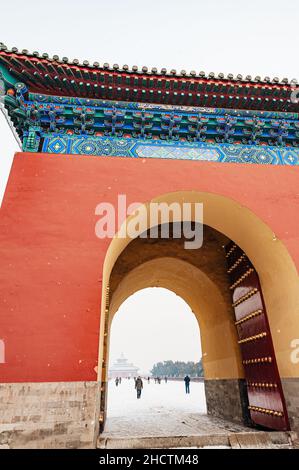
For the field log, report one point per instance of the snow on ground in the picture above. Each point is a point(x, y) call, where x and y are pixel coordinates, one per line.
point(155, 398)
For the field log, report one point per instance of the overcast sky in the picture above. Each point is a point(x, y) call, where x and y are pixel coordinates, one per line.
point(256, 37)
point(152, 325)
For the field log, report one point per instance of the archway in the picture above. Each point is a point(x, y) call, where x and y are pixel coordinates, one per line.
point(207, 292)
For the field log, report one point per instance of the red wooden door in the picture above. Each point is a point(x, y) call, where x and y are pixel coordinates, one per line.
point(266, 401)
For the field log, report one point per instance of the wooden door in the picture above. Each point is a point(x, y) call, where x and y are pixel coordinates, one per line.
point(265, 395)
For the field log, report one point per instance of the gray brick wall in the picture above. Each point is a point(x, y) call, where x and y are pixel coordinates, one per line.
point(226, 398)
point(48, 415)
point(291, 394)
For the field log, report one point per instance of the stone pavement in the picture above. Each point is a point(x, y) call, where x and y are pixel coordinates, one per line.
point(174, 423)
point(180, 429)
point(165, 417)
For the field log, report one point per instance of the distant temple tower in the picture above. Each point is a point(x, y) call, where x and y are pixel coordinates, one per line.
point(122, 368)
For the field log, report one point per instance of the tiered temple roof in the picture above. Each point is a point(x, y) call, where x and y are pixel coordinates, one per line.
point(121, 367)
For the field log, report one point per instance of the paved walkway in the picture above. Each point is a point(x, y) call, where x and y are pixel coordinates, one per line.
point(176, 423)
point(163, 410)
point(166, 417)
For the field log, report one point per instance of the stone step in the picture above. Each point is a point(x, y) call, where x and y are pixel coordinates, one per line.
point(254, 440)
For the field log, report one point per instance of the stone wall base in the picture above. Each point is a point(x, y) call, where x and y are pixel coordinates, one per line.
point(291, 394)
point(227, 399)
point(48, 415)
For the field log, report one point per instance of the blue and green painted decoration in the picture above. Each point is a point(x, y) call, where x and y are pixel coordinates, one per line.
point(82, 126)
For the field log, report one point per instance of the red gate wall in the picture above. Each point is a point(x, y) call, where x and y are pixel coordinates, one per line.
point(51, 261)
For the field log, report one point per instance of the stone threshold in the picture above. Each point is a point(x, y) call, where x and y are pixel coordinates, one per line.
point(235, 440)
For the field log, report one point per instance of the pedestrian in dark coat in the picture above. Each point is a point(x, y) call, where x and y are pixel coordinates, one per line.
point(138, 386)
point(187, 383)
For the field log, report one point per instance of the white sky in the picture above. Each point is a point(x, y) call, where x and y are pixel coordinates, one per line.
point(154, 325)
point(256, 37)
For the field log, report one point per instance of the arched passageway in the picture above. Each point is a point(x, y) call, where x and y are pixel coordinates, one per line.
point(200, 277)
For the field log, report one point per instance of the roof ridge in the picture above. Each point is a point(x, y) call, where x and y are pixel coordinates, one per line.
point(154, 71)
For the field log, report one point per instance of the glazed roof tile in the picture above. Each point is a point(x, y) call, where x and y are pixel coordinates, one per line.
point(60, 76)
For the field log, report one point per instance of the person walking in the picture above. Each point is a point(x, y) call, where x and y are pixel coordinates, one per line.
point(138, 386)
point(165, 378)
point(116, 381)
point(187, 383)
